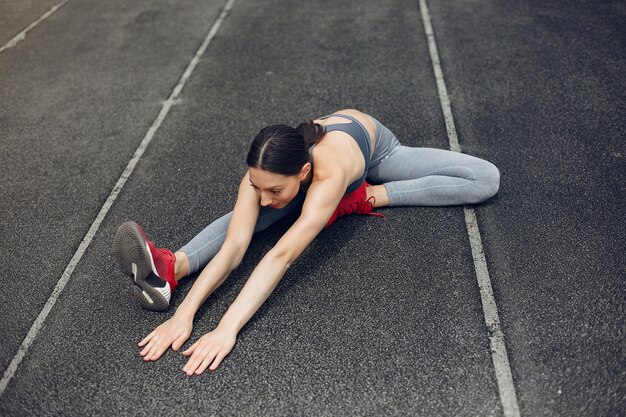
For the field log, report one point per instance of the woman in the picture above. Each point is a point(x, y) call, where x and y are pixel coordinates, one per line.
point(320, 167)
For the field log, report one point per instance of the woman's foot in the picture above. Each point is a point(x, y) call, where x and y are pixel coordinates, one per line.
point(356, 202)
point(151, 268)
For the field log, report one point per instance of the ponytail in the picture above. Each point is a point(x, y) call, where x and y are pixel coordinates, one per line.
point(311, 132)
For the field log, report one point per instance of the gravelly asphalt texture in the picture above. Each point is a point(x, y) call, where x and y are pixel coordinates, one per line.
point(376, 317)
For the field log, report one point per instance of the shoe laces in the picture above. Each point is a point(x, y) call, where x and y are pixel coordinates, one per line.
point(360, 207)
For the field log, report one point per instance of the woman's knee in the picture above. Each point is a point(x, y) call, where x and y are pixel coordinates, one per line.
point(489, 180)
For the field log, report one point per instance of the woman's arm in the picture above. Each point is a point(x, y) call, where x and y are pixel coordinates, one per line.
point(321, 201)
point(230, 255)
point(175, 331)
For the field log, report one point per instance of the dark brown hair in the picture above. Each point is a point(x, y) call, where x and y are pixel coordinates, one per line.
point(283, 149)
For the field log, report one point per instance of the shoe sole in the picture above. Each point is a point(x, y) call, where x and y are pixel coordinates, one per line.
point(134, 258)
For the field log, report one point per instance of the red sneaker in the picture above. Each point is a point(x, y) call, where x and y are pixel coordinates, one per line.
point(152, 268)
point(355, 203)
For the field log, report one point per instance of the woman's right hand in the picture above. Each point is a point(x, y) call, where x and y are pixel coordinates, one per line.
point(174, 332)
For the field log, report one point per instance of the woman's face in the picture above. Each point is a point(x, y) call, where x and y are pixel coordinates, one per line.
point(276, 190)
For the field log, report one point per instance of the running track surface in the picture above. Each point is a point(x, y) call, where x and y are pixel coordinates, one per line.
point(376, 317)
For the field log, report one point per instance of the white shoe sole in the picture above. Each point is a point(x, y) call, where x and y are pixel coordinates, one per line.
point(135, 260)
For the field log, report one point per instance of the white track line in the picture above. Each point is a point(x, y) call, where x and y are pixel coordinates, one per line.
point(20, 36)
point(499, 356)
point(167, 105)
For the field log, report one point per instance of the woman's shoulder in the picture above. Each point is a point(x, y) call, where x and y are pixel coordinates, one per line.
point(328, 161)
point(332, 155)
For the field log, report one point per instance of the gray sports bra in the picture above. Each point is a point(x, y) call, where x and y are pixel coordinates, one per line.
point(358, 132)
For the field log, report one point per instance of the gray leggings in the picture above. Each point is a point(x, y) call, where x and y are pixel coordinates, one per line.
point(411, 177)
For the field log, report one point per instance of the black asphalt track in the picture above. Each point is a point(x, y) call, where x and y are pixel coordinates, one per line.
point(16, 16)
point(376, 317)
point(542, 88)
point(79, 93)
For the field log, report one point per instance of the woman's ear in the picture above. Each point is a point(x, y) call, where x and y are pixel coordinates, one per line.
point(306, 168)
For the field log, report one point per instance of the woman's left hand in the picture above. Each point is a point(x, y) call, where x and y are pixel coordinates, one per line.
point(209, 349)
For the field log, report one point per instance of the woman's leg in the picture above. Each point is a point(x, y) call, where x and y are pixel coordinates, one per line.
point(202, 248)
point(430, 177)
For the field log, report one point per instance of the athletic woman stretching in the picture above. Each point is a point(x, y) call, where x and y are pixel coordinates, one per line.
point(320, 167)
